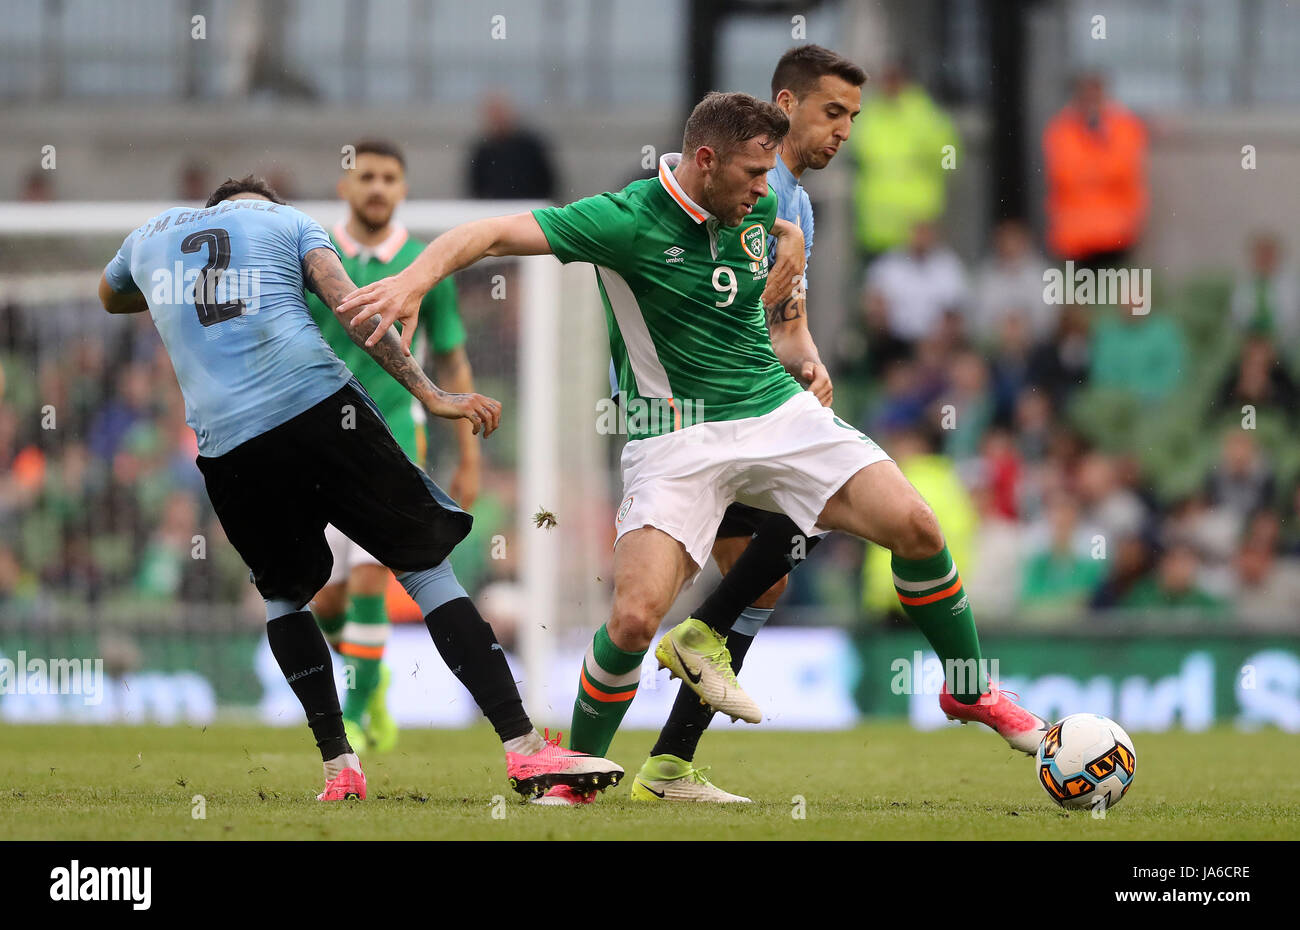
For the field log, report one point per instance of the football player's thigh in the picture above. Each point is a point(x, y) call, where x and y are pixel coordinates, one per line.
point(878, 504)
point(381, 501)
point(650, 568)
point(272, 523)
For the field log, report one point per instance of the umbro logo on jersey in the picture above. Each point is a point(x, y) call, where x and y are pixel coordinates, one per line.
point(674, 254)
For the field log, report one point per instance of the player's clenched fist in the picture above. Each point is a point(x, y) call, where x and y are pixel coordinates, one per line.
point(785, 277)
point(818, 380)
point(483, 412)
point(392, 300)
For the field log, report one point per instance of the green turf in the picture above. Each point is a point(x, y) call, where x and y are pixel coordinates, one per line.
point(876, 782)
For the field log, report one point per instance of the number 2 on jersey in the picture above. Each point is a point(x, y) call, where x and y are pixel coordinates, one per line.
point(210, 310)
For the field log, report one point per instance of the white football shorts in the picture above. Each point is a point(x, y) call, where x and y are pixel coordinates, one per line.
point(789, 461)
point(347, 555)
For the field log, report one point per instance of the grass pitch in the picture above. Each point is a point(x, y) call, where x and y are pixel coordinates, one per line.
point(881, 781)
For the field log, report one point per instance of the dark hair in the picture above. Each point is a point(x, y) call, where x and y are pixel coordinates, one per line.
point(803, 66)
point(725, 121)
point(385, 147)
point(248, 184)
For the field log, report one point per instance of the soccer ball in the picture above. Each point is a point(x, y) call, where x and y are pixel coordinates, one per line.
point(1086, 760)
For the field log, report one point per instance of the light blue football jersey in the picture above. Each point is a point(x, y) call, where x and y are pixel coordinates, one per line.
point(792, 205)
point(225, 289)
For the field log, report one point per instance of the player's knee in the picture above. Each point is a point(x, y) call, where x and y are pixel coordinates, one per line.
point(633, 622)
point(920, 536)
point(773, 594)
point(368, 580)
point(330, 601)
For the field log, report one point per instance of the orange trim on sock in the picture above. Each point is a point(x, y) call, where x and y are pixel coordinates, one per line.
point(929, 598)
point(601, 695)
point(361, 652)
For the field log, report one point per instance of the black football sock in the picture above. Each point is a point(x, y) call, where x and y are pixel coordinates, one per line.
point(770, 557)
point(470, 649)
point(304, 657)
point(690, 716)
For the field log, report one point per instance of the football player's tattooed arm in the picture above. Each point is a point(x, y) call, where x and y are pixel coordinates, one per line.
point(324, 275)
point(397, 299)
point(793, 343)
point(787, 318)
point(131, 301)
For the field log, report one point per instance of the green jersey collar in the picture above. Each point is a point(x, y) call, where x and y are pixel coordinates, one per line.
point(667, 162)
point(384, 252)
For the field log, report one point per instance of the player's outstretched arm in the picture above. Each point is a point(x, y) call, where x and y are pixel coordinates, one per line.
point(131, 301)
point(397, 299)
point(323, 273)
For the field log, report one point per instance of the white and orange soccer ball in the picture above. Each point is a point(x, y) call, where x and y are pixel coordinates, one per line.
point(1086, 760)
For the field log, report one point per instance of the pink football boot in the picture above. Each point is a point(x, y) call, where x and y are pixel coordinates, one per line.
point(1020, 728)
point(343, 779)
point(552, 765)
point(563, 795)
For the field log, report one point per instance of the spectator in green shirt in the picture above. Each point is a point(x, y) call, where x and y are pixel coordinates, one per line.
point(1059, 579)
point(1173, 586)
point(1145, 354)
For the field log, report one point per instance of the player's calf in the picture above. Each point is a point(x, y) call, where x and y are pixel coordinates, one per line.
point(304, 658)
point(650, 567)
point(767, 600)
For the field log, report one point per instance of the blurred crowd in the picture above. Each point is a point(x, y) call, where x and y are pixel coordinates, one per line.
point(100, 498)
point(1082, 458)
point(102, 505)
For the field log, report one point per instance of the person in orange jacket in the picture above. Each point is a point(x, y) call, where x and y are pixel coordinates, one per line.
point(1095, 154)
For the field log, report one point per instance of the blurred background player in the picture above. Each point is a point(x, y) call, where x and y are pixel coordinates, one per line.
point(820, 93)
point(351, 608)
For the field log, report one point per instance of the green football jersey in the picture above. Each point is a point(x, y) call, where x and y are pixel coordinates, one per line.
point(439, 322)
point(682, 302)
